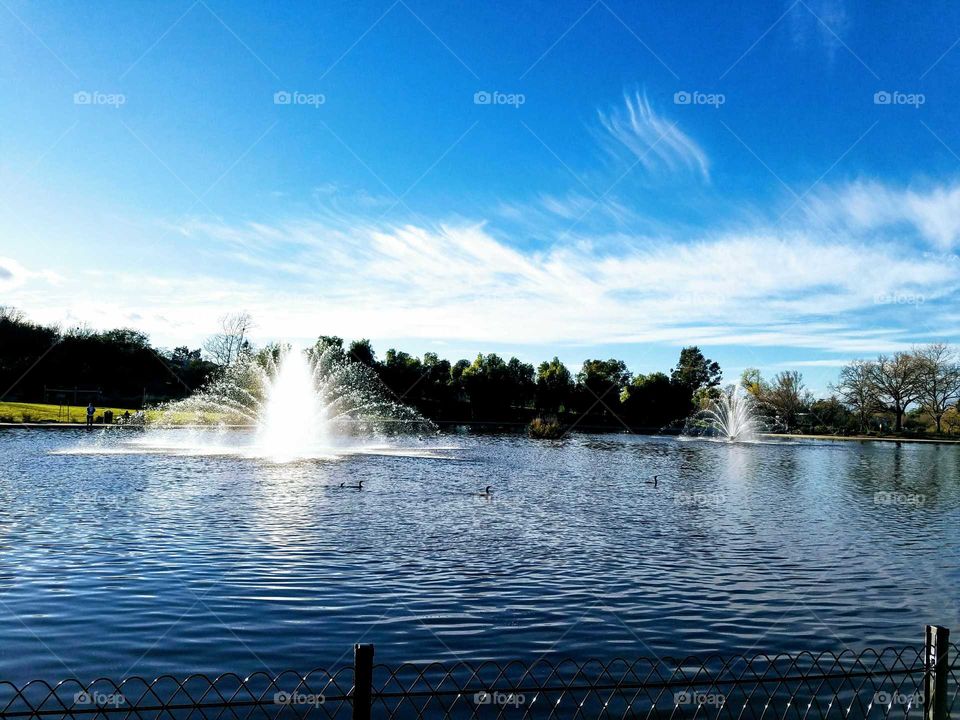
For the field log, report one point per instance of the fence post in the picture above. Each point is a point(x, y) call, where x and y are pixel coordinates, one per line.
point(362, 681)
point(935, 662)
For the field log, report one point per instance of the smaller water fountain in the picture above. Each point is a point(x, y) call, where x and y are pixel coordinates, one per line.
point(733, 417)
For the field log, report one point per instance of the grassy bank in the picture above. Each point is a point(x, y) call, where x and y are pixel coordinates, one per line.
point(40, 412)
point(11, 412)
point(947, 439)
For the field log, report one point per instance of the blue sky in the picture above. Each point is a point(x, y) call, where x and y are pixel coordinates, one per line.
point(776, 182)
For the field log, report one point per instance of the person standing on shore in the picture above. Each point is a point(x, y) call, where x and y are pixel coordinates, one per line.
point(90, 411)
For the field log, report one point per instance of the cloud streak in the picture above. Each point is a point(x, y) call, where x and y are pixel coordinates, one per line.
point(846, 281)
point(933, 213)
point(655, 142)
point(465, 281)
point(14, 275)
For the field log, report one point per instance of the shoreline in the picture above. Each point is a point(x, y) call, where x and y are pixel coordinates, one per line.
point(773, 436)
point(866, 438)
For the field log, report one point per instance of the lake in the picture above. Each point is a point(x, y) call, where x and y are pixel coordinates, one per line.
point(118, 559)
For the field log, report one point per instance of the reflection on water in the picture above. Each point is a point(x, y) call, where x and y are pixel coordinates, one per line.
point(158, 558)
point(245, 443)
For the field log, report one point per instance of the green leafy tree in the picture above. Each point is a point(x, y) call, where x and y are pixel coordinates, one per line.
point(456, 371)
point(830, 415)
point(436, 393)
point(270, 353)
point(600, 384)
point(361, 351)
point(190, 367)
point(521, 383)
point(125, 337)
point(484, 382)
point(554, 386)
point(655, 401)
point(401, 372)
point(182, 356)
point(436, 365)
point(695, 371)
point(752, 381)
point(329, 341)
point(495, 388)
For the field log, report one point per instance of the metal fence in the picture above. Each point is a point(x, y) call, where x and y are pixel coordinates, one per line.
point(894, 682)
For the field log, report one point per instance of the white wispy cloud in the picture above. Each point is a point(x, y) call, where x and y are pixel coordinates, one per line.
point(827, 363)
point(823, 22)
point(14, 275)
point(932, 212)
point(656, 142)
point(841, 282)
point(465, 281)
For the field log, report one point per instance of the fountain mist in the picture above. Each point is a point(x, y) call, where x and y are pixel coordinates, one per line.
point(301, 404)
point(732, 417)
point(291, 421)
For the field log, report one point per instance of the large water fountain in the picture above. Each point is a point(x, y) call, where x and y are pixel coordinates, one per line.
point(733, 417)
point(298, 404)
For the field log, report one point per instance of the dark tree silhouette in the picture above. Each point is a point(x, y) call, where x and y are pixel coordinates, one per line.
point(695, 371)
point(554, 386)
point(602, 382)
point(362, 352)
point(655, 401)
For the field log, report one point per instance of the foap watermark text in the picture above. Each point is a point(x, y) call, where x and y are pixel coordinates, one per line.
point(485, 97)
point(95, 97)
point(895, 97)
point(500, 699)
point(295, 97)
point(299, 698)
point(695, 97)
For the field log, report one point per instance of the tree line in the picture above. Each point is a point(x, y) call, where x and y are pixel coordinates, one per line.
point(904, 392)
point(910, 391)
point(120, 367)
point(41, 363)
point(490, 388)
point(922, 382)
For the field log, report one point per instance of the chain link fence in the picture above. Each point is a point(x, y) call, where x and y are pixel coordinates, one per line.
point(909, 682)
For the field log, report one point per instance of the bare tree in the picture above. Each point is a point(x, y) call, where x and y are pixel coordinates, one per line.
point(939, 379)
point(856, 390)
point(788, 396)
point(896, 382)
point(12, 314)
point(231, 342)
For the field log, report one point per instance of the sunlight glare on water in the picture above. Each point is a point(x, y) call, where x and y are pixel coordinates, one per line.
point(742, 547)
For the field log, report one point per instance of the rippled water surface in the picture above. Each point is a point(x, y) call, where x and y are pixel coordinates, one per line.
point(119, 559)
